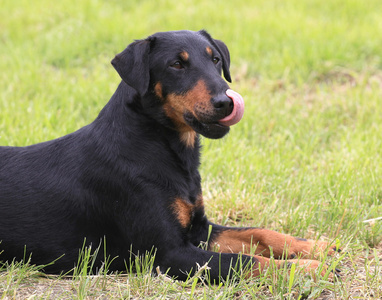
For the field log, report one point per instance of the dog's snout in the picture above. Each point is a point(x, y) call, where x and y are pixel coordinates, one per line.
point(223, 104)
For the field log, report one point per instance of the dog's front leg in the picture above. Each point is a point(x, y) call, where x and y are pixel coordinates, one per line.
point(266, 243)
point(262, 244)
point(182, 262)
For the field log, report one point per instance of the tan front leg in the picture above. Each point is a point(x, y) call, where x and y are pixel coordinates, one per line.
point(308, 266)
point(264, 242)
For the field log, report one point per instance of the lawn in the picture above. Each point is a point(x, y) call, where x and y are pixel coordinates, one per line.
point(305, 160)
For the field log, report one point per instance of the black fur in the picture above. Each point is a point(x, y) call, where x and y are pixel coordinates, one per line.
point(118, 177)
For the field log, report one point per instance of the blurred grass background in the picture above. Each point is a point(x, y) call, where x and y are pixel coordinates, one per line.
point(306, 158)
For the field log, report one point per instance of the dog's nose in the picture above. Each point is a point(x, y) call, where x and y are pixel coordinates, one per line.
point(223, 104)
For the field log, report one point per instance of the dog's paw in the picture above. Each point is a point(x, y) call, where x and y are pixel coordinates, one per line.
point(312, 267)
point(311, 249)
point(319, 248)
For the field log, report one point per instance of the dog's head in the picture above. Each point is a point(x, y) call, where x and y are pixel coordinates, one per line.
point(178, 74)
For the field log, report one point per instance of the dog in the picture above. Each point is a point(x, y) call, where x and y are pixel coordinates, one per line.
point(130, 180)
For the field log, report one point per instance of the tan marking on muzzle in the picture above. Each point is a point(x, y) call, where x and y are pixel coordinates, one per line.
point(176, 105)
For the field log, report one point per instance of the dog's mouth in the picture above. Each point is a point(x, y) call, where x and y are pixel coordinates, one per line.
point(216, 129)
point(213, 130)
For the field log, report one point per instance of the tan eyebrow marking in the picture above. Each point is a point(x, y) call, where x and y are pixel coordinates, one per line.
point(184, 55)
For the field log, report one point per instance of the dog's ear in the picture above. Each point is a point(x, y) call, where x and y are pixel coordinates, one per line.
point(132, 64)
point(223, 51)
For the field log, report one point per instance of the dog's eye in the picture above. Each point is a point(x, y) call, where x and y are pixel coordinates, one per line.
point(216, 60)
point(177, 65)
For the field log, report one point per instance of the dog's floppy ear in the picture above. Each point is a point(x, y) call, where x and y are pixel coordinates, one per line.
point(132, 64)
point(223, 51)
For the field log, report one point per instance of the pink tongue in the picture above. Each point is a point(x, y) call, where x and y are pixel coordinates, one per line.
point(238, 109)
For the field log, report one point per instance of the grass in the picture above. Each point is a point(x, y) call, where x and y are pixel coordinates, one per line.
point(305, 159)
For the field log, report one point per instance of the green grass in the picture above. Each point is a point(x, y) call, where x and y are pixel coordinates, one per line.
point(305, 160)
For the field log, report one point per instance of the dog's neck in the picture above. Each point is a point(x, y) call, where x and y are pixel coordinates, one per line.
point(125, 116)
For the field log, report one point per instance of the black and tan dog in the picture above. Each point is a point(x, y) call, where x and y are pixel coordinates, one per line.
point(131, 177)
